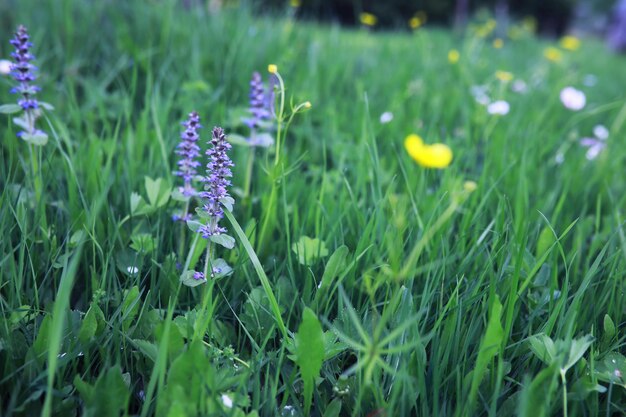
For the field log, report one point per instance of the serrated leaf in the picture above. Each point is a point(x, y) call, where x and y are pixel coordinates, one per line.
point(309, 250)
point(10, 108)
point(143, 242)
point(187, 278)
point(543, 347)
point(577, 350)
point(225, 240)
point(158, 191)
point(309, 353)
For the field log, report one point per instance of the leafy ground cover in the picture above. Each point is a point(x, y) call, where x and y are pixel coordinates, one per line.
point(363, 283)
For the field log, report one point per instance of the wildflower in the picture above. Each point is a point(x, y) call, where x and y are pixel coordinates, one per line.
point(504, 76)
point(601, 132)
point(368, 19)
point(453, 56)
point(479, 92)
point(5, 66)
point(498, 43)
point(386, 117)
point(227, 401)
point(499, 108)
point(436, 155)
point(307, 105)
point(470, 186)
point(519, 86)
point(216, 183)
point(258, 102)
point(573, 99)
point(553, 54)
point(571, 43)
point(272, 69)
point(188, 150)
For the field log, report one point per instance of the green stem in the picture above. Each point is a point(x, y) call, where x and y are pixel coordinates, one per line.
point(249, 167)
point(183, 227)
point(564, 383)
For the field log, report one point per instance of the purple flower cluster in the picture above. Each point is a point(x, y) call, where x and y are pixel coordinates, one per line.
point(217, 182)
point(259, 103)
point(188, 150)
point(23, 71)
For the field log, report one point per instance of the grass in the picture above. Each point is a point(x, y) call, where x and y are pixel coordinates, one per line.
point(433, 300)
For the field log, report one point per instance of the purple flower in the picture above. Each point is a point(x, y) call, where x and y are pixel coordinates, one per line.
point(23, 71)
point(188, 150)
point(258, 102)
point(216, 182)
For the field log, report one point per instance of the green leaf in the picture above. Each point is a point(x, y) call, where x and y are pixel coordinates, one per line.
point(536, 397)
point(21, 122)
point(225, 240)
point(221, 269)
point(545, 240)
point(10, 108)
point(309, 353)
point(228, 202)
point(40, 346)
point(194, 225)
point(143, 242)
point(38, 138)
point(577, 350)
point(609, 327)
point(89, 326)
point(158, 191)
point(543, 347)
point(187, 279)
point(108, 397)
point(46, 106)
point(334, 267)
point(130, 307)
point(612, 369)
point(149, 349)
point(489, 348)
point(138, 206)
point(333, 409)
point(309, 250)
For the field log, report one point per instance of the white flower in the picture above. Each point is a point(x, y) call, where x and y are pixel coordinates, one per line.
point(386, 117)
point(479, 92)
point(601, 132)
point(228, 402)
point(499, 107)
point(132, 270)
point(519, 86)
point(5, 67)
point(573, 99)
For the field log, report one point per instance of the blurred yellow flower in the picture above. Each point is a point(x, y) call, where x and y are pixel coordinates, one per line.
point(295, 3)
point(436, 155)
point(470, 186)
point(368, 19)
point(498, 43)
point(272, 69)
point(570, 43)
point(307, 104)
point(504, 76)
point(553, 54)
point(415, 22)
point(454, 56)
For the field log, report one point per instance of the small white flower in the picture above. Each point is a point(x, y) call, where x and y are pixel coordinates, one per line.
point(519, 86)
point(386, 117)
point(5, 67)
point(228, 402)
point(601, 132)
point(573, 99)
point(594, 147)
point(132, 270)
point(499, 108)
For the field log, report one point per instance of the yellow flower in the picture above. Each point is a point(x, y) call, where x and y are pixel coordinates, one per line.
point(570, 43)
point(295, 3)
point(415, 22)
point(436, 155)
point(498, 43)
point(272, 69)
point(368, 19)
point(552, 54)
point(469, 186)
point(307, 104)
point(453, 56)
point(504, 76)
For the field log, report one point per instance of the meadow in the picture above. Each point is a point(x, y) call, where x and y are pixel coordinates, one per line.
point(361, 273)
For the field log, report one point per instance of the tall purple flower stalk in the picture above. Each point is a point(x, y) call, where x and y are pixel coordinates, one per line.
point(259, 108)
point(24, 72)
point(188, 150)
point(217, 182)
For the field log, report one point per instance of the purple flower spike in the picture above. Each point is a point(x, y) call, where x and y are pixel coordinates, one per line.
point(258, 102)
point(188, 150)
point(217, 182)
point(23, 71)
